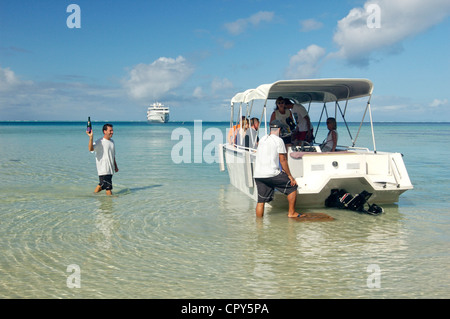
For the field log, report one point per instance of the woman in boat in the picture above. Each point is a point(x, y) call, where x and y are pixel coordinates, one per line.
point(330, 143)
point(232, 134)
point(241, 131)
point(283, 115)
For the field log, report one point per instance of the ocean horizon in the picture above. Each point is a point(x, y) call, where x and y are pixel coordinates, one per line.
point(192, 121)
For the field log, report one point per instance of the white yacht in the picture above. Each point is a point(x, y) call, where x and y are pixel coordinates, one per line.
point(158, 113)
point(355, 169)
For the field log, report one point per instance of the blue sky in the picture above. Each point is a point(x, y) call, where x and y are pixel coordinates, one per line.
point(195, 55)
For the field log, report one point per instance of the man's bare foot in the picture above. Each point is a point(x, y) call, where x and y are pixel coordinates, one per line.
point(296, 215)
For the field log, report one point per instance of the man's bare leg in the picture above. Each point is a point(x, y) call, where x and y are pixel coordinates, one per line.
point(260, 209)
point(98, 189)
point(292, 200)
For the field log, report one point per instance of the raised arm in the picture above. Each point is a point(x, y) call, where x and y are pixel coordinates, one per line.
point(91, 141)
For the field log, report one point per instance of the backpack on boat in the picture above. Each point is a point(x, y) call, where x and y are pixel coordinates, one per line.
point(340, 198)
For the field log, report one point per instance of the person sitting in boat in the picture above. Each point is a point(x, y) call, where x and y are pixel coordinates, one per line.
point(283, 115)
point(240, 135)
point(251, 136)
point(304, 129)
point(234, 131)
point(330, 143)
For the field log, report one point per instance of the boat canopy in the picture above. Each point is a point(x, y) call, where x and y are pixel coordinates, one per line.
point(317, 90)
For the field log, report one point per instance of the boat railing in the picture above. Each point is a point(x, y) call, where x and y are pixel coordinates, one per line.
point(312, 148)
point(243, 148)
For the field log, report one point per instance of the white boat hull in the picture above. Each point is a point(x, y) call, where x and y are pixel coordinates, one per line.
point(158, 118)
point(382, 174)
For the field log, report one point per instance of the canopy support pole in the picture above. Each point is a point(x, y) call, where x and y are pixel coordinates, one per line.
point(371, 126)
point(345, 122)
point(265, 115)
point(320, 118)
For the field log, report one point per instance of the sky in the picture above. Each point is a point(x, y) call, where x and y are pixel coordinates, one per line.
point(67, 60)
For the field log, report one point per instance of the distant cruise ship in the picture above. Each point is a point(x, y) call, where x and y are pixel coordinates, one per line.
point(158, 113)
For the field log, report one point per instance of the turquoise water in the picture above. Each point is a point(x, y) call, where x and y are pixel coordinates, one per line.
point(181, 231)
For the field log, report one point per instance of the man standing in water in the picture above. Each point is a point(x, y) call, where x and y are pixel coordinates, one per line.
point(105, 154)
point(270, 155)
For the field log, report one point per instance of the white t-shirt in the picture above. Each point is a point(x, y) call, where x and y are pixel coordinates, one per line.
point(267, 162)
point(299, 112)
point(105, 154)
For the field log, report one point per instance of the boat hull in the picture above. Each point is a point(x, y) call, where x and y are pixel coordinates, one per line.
point(158, 118)
point(158, 113)
point(382, 174)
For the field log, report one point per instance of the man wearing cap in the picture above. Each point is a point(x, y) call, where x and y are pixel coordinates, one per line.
point(271, 153)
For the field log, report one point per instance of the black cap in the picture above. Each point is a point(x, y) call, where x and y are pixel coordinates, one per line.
point(275, 124)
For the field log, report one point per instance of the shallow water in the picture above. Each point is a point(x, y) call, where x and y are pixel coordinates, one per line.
point(181, 231)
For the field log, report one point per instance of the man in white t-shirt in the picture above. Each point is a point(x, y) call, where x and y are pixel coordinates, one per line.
point(271, 153)
point(105, 157)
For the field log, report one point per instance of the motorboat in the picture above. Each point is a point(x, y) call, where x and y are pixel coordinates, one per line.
point(350, 167)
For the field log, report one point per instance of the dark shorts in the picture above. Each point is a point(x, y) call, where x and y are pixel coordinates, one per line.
point(267, 186)
point(301, 136)
point(106, 182)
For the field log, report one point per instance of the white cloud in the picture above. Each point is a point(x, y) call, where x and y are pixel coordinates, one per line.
point(9, 80)
point(240, 25)
point(357, 37)
point(217, 88)
point(310, 25)
point(152, 81)
point(305, 64)
point(28, 100)
point(220, 84)
point(198, 92)
point(438, 103)
point(227, 45)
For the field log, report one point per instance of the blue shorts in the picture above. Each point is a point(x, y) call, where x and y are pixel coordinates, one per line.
point(106, 182)
point(267, 186)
